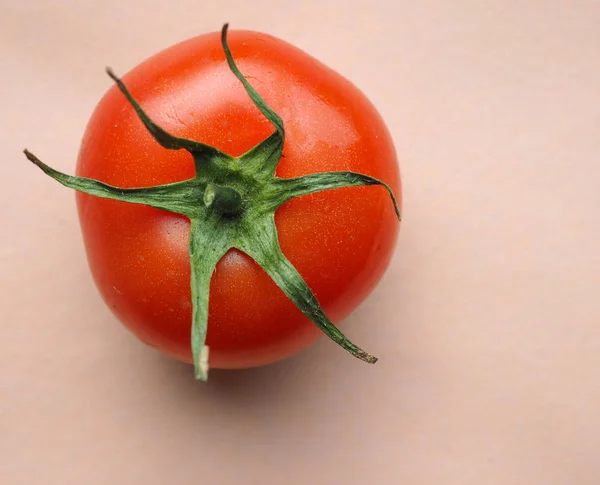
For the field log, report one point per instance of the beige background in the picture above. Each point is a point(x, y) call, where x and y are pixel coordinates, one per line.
point(488, 321)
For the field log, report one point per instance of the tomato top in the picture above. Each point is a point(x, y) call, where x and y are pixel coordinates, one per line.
point(340, 241)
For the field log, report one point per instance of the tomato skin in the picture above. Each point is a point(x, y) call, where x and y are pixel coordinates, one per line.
point(341, 241)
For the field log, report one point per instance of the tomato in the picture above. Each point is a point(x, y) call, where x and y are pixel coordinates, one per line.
point(340, 241)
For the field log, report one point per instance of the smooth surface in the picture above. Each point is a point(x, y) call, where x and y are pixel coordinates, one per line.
point(487, 324)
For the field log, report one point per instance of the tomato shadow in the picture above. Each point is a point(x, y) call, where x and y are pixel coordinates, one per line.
point(247, 390)
point(306, 381)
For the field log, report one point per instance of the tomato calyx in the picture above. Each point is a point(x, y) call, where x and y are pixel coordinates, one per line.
point(231, 203)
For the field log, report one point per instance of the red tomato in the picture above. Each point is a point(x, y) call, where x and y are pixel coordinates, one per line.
point(341, 241)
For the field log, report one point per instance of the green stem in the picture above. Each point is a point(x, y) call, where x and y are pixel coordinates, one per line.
point(222, 199)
